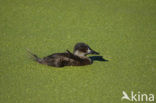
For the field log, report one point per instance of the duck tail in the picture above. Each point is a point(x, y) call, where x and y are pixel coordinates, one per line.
point(34, 56)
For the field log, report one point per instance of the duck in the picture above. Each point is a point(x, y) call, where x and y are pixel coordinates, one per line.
point(77, 58)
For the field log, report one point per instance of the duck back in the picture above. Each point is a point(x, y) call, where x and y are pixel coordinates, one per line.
point(65, 59)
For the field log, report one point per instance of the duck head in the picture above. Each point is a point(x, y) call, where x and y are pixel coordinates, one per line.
point(82, 49)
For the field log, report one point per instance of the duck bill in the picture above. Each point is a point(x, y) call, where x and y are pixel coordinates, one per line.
point(94, 52)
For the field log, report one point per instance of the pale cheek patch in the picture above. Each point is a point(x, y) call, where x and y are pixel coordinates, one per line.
point(89, 51)
point(78, 53)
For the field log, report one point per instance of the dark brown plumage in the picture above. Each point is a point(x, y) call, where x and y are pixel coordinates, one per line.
point(77, 58)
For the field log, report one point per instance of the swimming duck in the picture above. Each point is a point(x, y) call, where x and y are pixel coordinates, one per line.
point(77, 58)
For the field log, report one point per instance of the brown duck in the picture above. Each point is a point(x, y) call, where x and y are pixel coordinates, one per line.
point(77, 58)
